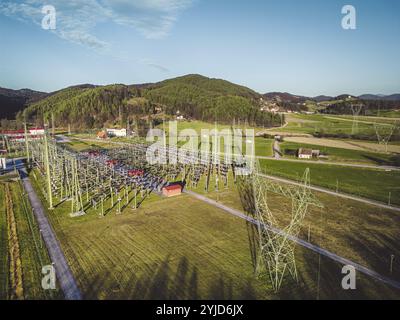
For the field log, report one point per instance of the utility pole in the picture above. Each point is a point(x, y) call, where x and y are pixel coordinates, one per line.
point(391, 263)
point(47, 167)
point(26, 144)
point(53, 129)
point(120, 116)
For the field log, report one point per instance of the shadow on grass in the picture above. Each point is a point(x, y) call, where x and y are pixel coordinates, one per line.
point(163, 282)
point(394, 160)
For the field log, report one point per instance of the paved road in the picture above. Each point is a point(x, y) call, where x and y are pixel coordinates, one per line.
point(63, 272)
point(336, 194)
point(62, 139)
point(301, 242)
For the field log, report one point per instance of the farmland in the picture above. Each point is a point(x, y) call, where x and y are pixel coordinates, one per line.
point(32, 253)
point(334, 127)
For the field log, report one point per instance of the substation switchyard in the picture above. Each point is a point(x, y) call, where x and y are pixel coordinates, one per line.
point(119, 176)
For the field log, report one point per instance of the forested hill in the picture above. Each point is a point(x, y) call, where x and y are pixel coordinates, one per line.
point(82, 106)
point(194, 96)
point(12, 101)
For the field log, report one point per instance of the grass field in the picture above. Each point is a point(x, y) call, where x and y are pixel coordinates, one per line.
point(360, 232)
point(333, 126)
point(180, 248)
point(393, 147)
point(342, 155)
point(371, 119)
point(201, 125)
point(388, 113)
point(369, 183)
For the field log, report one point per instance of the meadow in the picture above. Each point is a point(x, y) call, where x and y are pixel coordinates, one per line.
point(343, 155)
point(335, 126)
point(369, 183)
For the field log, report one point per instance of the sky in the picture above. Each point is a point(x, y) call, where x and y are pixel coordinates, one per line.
point(296, 46)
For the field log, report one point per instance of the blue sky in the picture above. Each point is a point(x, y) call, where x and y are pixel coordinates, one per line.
point(267, 45)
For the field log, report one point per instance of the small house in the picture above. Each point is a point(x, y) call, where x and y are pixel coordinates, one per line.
point(117, 132)
point(304, 153)
point(102, 135)
point(172, 190)
point(316, 153)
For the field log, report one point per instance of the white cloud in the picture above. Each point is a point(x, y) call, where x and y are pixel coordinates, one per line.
point(76, 19)
point(154, 65)
point(152, 18)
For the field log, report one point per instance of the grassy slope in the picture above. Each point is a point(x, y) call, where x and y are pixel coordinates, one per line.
point(369, 183)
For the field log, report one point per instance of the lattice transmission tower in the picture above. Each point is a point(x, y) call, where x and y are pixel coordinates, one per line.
point(276, 246)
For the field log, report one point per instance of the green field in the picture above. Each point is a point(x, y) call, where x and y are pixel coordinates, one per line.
point(289, 150)
point(333, 126)
point(388, 113)
point(369, 183)
point(357, 231)
point(201, 125)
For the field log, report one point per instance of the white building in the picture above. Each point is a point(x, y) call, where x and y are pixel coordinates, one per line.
point(117, 132)
point(36, 131)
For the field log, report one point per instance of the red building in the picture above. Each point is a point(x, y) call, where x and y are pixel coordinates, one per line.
point(172, 190)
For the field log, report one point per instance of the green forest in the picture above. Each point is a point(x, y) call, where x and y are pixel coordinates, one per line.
point(193, 96)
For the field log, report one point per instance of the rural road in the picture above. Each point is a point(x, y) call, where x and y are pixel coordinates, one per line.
point(299, 241)
point(333, 193)
point(63, 272)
